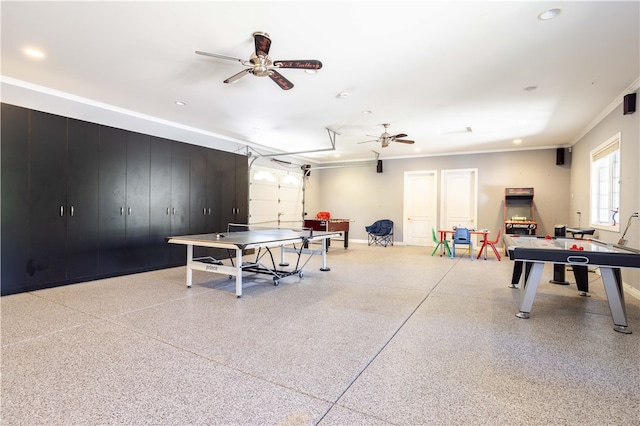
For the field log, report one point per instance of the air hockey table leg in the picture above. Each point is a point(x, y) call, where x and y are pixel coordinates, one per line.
point(517, 272)
point(615, 296)
point(529, 291)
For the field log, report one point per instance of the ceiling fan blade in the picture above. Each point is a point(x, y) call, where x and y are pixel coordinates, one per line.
point(307, 64)
point(215, 55)
point(237, 76)
point(404, 141)
point(280, 80)
point(399, 135)
point(375, 140)
point(262, 43)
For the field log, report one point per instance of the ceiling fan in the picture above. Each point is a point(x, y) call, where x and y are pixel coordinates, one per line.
point(261, 65)
point(385, 138)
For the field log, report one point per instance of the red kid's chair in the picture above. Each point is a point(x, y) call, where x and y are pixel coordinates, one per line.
point(491, 244)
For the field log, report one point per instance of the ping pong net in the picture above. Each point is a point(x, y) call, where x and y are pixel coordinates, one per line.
point(243, 227)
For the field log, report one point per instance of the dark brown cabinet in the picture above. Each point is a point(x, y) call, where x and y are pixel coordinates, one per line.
point(232, 177)
point(82, 201)
point(112, 190)
point(180, 161)
point(14, 180)
point(160, 202)
point(48, 207)
point(83, 176)
point(49, 198)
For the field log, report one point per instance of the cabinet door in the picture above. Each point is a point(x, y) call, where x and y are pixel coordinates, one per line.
point(47, 198)
point(137, 201)
point(113, 163)
point(198, 190)
point(160, 202)
point(82, 199)
point(198, 195)
point(213, 194)
point(226, 179)
point(241, 194)
point(14, 167)
point(180, 160)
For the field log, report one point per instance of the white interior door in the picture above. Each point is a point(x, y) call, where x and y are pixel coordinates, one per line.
point(459, 198)
point(420, 207)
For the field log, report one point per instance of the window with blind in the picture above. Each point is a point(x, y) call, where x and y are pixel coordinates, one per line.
point(605, 185)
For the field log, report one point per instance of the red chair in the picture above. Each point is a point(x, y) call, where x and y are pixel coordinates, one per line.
point(491, 244)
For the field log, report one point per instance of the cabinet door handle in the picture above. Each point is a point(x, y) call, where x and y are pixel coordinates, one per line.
point(121, 211)
point(71, 211)
point(174, 211)
point(129, 211)
point(167, 210)
point(61, 211)
point(209, 210)
point(204, 210)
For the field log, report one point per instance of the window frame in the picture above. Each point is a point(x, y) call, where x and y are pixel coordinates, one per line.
point(606, 151)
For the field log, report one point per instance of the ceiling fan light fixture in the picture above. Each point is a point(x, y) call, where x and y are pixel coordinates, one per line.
point(550, 14)
point(34, 53)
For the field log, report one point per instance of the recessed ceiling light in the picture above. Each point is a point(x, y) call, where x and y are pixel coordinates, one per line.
point(336, 155)
point(549, 14)
point(34, 53)
point(366, 111)
point(180, 103)
point(517, 141)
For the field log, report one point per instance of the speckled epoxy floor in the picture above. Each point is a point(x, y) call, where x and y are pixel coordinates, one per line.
point(389, 336)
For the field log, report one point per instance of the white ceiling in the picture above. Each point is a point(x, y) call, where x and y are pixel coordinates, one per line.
point(430, 69)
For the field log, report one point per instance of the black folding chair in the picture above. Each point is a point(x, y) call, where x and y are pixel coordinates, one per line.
point(380, 232)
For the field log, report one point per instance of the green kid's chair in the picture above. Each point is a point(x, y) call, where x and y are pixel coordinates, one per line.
point(444, 242)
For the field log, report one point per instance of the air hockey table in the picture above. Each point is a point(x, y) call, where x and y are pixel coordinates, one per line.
point(535, 252)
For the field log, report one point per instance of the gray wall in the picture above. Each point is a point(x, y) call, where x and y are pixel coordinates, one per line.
point(629, 128)
point(362, 195)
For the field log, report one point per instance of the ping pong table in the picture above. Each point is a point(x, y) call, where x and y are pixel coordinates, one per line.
point(579, 253)
point(262, 240)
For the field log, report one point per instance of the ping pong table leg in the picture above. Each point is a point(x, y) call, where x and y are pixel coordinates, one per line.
point(189, 260)
point(238, 272)
point(324, 256)
point(529, 291)
point(615, 296)
point(282, 262)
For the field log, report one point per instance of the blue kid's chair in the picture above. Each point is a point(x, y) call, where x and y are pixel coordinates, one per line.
point(461, 236)
point(438, 243)
point(380, 232)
